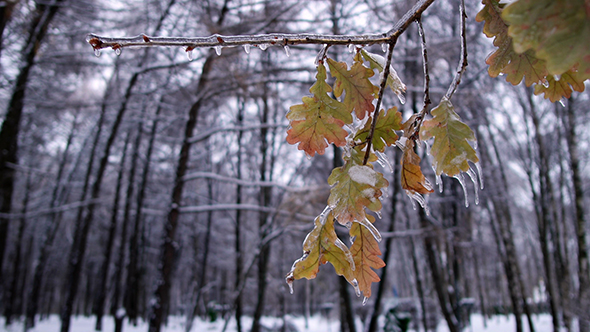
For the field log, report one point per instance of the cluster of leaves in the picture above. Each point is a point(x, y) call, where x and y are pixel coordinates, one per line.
point(344, 114)
point(544, 42)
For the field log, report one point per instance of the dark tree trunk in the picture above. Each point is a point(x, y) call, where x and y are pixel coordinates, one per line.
point(41, 18)
point(167, 256)
point(132, 289)
point(374, 319)
point(104, 270)
point(576, 178)
point(238, 227)
point(14, 302)
point(78, 250)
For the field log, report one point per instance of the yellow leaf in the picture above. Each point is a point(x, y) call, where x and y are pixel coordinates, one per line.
point(384, 134)
point(412, 178)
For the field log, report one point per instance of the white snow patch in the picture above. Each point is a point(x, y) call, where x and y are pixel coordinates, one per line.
point(363, 174)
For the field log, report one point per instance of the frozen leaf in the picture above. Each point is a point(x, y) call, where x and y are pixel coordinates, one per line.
point(412, 178)
point(319, 120)
point(320, 246)
point(384, 134)
point(554, 89)
point(504, 60)
point(360, 92)
point(556, 30)
point(354, 187)
point(365, 251)
point(451, 150)
point(393, 80)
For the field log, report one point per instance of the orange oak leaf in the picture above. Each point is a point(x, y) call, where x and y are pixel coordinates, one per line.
point(365, 252)
point(360, 92)
point(554, 89)
point(412, 178)
point(319, 120)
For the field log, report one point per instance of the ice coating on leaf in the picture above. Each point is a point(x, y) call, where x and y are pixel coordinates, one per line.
point(347, 253)
point(363, 174)
point(369, 225)
point(393, 80)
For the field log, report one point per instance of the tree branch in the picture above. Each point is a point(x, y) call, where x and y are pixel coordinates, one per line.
point(276, 39)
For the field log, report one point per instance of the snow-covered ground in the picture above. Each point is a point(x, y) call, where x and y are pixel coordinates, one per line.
point(315, 324)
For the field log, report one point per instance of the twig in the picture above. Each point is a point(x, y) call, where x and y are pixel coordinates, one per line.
point(463, 61)
point(385, 73)
point(427, 101)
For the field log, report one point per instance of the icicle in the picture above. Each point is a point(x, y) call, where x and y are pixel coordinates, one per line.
point(321, 54)
point(289, 279)
point(365, 300)
point(371, 228)
point(263, 46)
point(439, 182)
point(290, 283)
point(562, 102)
point(378, 213)
point(383, 161)
point(384, 47)
point(97, 52)
point(473, 178)
point(479, 174)
point(217, 50)
point(190, 55)
point(475, 146)
point(355, 284)
point(415, 197)
point(546, 84)
point(351, 48)
point(287, 51)
point(461, 180)
point(247, 48)
point(118, 51)
point(346, 252)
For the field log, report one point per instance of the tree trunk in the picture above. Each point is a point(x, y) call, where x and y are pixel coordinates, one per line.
point(238, 228)
point(162, 293)
point(104, 270)
point(14, 301)
point(374, 319)
point(132, 289)
point(42, 17)
point(576, 174)
point(77, 252)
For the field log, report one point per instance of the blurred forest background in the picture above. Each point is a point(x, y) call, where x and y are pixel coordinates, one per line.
point(124, 175)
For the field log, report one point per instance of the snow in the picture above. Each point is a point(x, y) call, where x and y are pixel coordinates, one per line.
point(315, 324)
point(363, 175)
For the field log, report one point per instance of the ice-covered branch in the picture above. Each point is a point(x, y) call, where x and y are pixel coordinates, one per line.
point(463, 60)
point(261, 40)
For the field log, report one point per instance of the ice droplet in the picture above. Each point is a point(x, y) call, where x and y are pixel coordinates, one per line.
point(439, 182)
point(189, 55)
point(546, 84)
point(247, 48)
point(365, 300)
point(357, 290)
point(479, 174)
point(289, 278)
point(561, 102)
point(118, 51)
point(461, 180)
point(218, 50)
point(475, 146)
point(290, 283)
point(97, 52)
point(401, 97)
point(350, 48)
point(473, 178)
point(287, 51)
point(263, 46)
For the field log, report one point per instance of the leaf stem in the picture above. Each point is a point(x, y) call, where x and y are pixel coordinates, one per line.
point(420, 116)
point(463, 60)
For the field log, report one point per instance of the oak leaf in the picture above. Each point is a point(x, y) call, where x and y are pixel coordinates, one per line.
point(384, 134)
point(365, 252)
point(322, 245)
point(319, 120)
point(354, 188)
point(555, 89)
point(451, 150)
point(393, 80)
point(360, 92)
point(412, 178)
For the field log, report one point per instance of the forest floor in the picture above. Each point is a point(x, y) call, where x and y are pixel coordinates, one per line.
point(315, 324)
